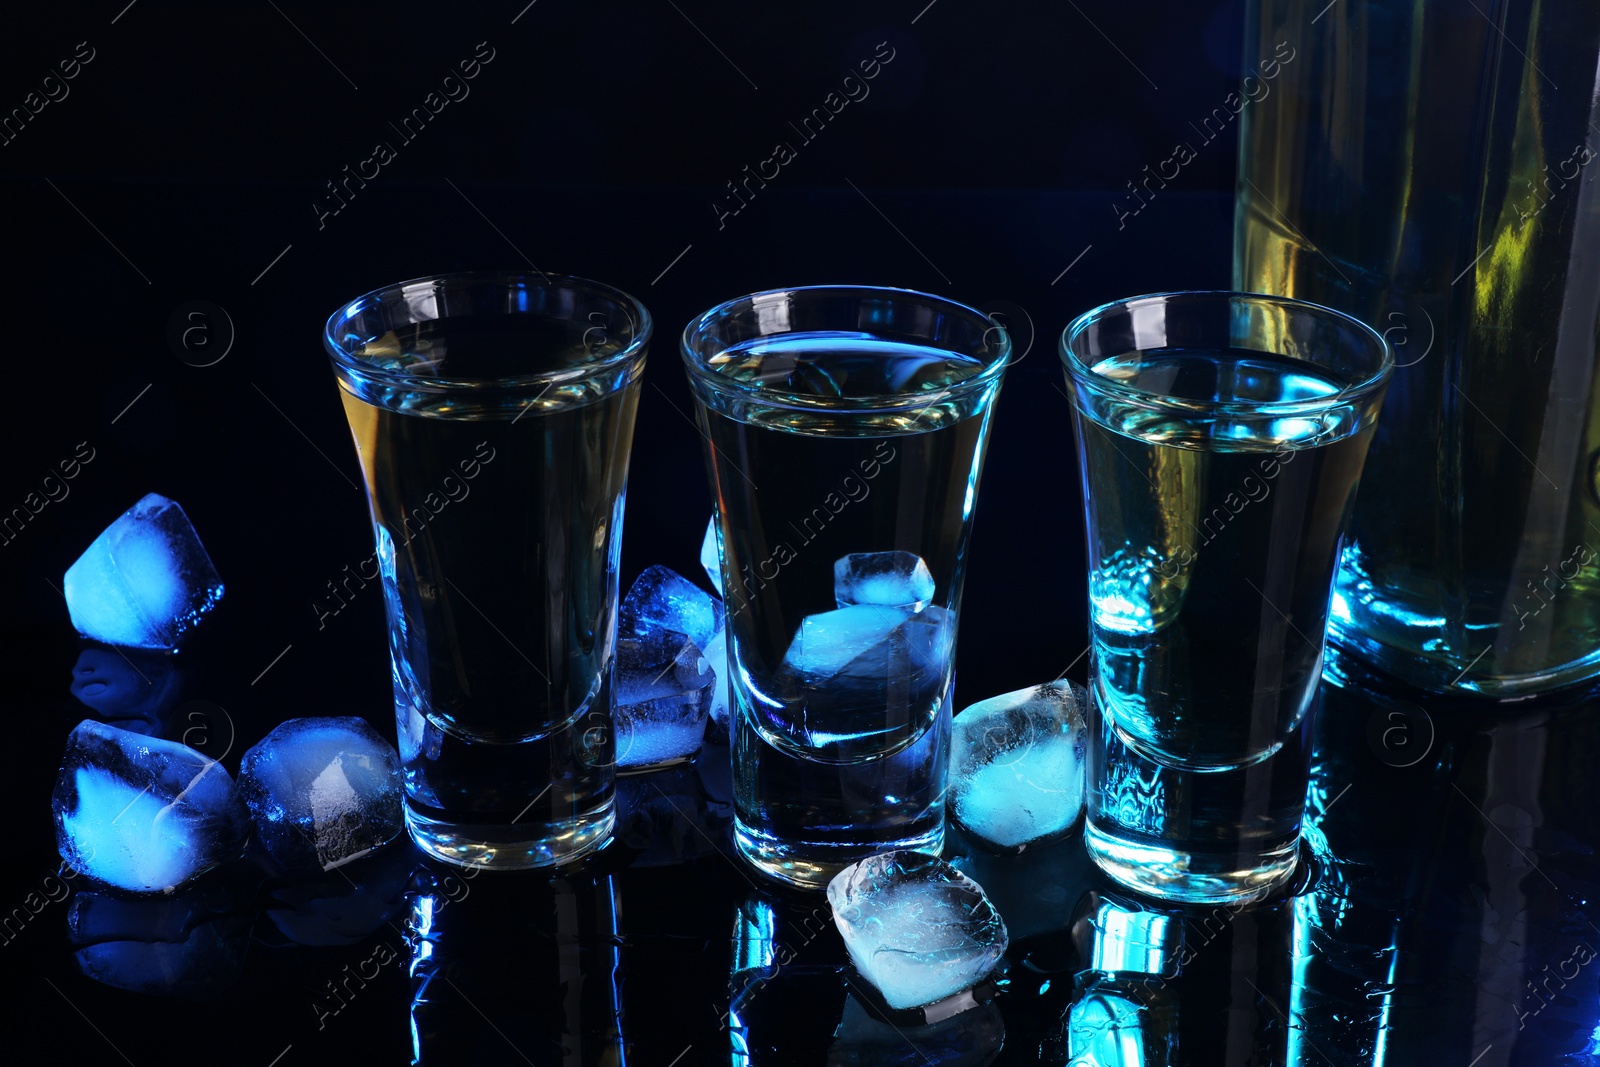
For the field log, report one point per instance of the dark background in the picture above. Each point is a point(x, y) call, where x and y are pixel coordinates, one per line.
point(184, 162)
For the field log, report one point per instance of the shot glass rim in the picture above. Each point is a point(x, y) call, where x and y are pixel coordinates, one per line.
point(344, 357)
point(887, 401)
point(1082, 373)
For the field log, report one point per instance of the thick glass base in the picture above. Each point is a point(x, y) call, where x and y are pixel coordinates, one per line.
point(802, 822)
point(509, 847)
point(809, 865)
point(1191, 877)
point(1194, 837)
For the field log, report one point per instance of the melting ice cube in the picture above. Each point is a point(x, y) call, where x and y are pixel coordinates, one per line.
point(143, 814)
point(144, 581)
point(1016, 765)
point(662, 599)
point(711, 556)
point(322, 792)
point(916, 928)
point(893, 579)
point(663, 696)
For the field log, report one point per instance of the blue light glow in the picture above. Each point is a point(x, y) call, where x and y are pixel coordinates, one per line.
point(144, 581)
point(130, 839)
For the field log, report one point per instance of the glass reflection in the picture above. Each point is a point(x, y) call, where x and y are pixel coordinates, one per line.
point(514, 967)
point(1166, 985)
point(786, 957)
point(1126, 1010)
point(671, 815)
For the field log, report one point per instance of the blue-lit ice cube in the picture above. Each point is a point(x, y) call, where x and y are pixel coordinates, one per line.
point(893, 579)
point(144, 581)
point(322, 792)
point(867, 678)
point(142, 814)
point(916, 928)
point(871, 640)
point(711, 556)
point(1016, 765)
point(662, 605)
point(663, 697)
point(662, 599)
point(826, 643)
point(716, 657)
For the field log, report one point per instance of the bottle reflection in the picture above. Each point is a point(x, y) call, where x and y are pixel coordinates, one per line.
point(514, 967)
point(1452, 919)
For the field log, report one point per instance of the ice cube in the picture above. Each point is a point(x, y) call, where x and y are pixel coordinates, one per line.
point(916, 928)
point(871, 639)
point(144, 581)
point(663, 696)
point(665, 607)
point(322, 792)
point(893, 579)
point(142, 814)
point(711, 556)
point(867, 677)
point(1016, 765)
point(826, 643)
point(662, 599)
point(716, 657)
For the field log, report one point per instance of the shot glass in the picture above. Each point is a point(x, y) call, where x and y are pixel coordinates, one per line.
point(1221, 437)
point(845, 430)
point(492, 415)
